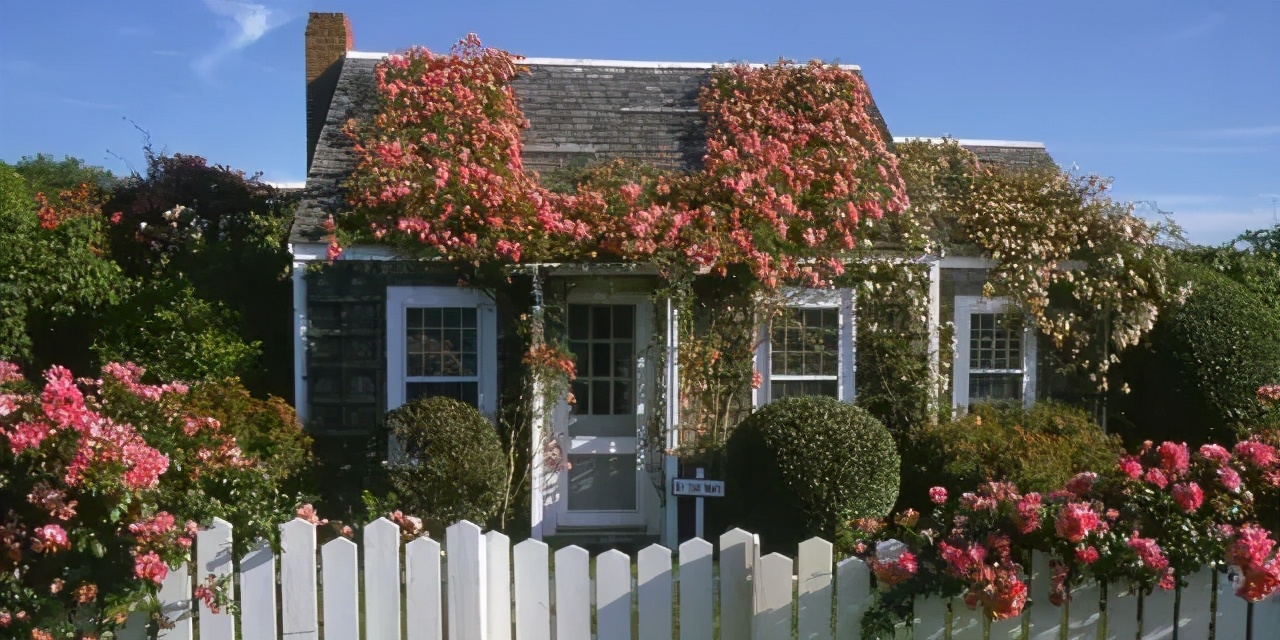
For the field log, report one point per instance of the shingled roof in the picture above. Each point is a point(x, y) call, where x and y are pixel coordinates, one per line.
point(578, 110)
point(1013, 154)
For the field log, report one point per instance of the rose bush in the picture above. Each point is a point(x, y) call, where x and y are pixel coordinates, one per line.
point(1149, 521)
point(104, 483)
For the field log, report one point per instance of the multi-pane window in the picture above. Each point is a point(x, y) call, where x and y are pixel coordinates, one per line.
point(995, 353)
point(602, 338)
point(442, 353)
point(995, 358)
point(804, 358)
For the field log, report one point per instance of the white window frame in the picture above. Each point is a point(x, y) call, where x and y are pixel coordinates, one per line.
point(839, 299)
point(400, 299)
point(966, 306)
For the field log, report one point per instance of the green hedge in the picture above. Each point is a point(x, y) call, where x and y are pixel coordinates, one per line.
point(452, 465)
point(1039, 449)
point(1198, 376)
point(806, 466)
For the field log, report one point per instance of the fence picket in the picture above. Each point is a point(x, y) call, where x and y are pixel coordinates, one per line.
point(423, 604)
point(966, 623)
point(533, 591)
point(773, 601)
point(1194, 611)
point(613, 595)
point(853, 595)
point(1084, 613)
point(573, 594)
point(213, 558)
point(653, 575)
point(737, 560)
point(339, 575)
point(498, 560)
point(929, 618)
point(695, 590)
point(467, 575)
point(175, 602)
point(298, 580)
point(814, 589)
point(258, 594)
point(382, 580)
point(1232, 610)
point(1157, 615)
point(1044, 619)
point(1266, 615)
point(1122, 613)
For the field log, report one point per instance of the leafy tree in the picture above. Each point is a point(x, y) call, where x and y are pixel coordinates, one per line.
point(45, 174)
point(223, 233)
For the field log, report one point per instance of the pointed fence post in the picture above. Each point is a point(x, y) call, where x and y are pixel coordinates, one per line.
point(468, 577)
point(423, 603)
point(258, 594)
point(340, 577)
point(613, 595)
point(533, 591)
point(382, 580)
point(573, 594)
point(213, 558)
point(498, 561)
point(815, 589)
point(772, 620)
point(737, 562)
point(175, 602)
point(696, 596)
point(853, 596)
point(298, 580)
point(653, 577)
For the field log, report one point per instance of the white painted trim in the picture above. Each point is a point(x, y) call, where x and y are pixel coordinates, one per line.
point(967, 262)
point(316, 251)
point(616, 64)
point(301, 397)
point(846, 373)
point(401, 298)
point(1011, 144)
point(670, 515)
point(935, 341)
point(964, 308)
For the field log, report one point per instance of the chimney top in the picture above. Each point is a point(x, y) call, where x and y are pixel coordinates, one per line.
point(328, 38)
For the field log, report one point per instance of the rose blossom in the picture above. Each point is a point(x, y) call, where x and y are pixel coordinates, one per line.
point(1215, 453)
point(51, 538)
point(1229, 478)
point(1174, 457)
point(1188, 495)
point(1087, 555)
point(938, 495)
point(149, 566)
point(1157, 478)
point(1075, 521)
point(1131, 467)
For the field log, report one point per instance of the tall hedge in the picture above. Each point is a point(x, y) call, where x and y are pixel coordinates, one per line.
point(1208, 354)
point(807, 466)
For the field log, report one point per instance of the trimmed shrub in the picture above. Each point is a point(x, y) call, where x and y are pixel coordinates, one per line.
point(1038, 449)
point(1197, 379)
point(806, 466)
point(452, 465)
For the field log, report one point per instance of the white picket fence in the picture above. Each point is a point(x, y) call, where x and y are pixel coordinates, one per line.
point(485, 589)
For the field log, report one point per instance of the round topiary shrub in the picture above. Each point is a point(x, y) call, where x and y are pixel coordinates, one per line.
point(805, 466)
point(451, 465)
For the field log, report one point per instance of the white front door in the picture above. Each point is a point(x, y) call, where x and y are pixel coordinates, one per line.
point(602, 484)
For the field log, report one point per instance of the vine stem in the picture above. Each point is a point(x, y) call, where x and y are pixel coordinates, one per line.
point(1102, 609)
point(1213, 605)
point(1141, 606)
point(1177, 604)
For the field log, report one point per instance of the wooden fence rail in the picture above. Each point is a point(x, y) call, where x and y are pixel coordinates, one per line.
point(484, 589)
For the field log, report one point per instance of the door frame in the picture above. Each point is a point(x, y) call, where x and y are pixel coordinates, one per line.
point(599, 292)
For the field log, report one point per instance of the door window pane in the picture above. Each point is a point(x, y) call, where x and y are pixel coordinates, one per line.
point(602, 482)
point(602, 339)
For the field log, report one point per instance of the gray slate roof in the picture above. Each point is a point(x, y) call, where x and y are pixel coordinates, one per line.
point(1013, 157)
point(640, 111)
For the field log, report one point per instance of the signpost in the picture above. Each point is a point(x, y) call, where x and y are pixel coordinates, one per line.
point(698, 487)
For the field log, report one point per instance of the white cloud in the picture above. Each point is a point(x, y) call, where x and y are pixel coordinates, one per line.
point(247, 22)
point(1209, 23)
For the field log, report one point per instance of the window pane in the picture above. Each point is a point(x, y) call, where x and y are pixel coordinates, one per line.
point(624, 322)
point(578, 326)
point(601, 322)
point(601, 356)
point(441, 341)
point(604, 354)
point(468, 392)
point(602, 482)
point(582, 399)
point(805, 342)
point(992, 344)
point(600, 392)
point(786, 388)
point(986, 387)
point(622, 398)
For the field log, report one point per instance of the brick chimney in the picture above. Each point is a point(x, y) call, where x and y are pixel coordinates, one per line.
point(328, 39)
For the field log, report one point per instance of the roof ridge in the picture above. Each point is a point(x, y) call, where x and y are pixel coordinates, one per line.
point(591, 62)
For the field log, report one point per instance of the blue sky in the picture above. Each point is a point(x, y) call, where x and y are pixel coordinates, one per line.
point(1179, 101)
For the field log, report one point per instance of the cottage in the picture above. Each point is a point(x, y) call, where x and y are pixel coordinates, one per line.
point(374, 330)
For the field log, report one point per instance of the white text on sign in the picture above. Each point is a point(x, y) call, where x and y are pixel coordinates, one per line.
point(699, 488)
